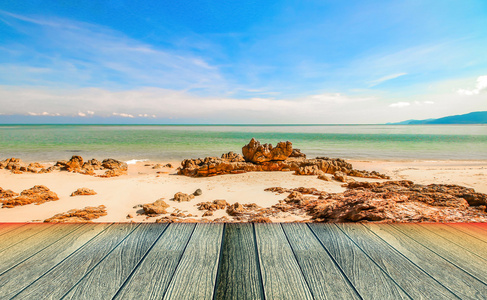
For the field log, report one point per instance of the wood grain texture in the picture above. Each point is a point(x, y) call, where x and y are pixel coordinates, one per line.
point(455, 254)
point(325, 279)
point(482, 226)
point(106, 278)
point(20, 234)
point(239, 275)
point(152, 276)
point(195, 276)
point(6, 227)
point(470, 230)
point(60, 279)
point(281, 275)
point(459, 238)
point(31, 269)
point(415, 282)
point(460, 283)
point(368, 279)
point(25, 249)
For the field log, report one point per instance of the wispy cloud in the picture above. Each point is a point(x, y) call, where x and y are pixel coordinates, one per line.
point(400, 104)
point(92, 55)
point(386, 78)
point(479, 87)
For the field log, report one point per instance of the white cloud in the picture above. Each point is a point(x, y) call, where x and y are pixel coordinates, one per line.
point(479, 87)
point(386, 78)
point(400, 104)
point(123, 115)
point(81, 114)
point(91, 113)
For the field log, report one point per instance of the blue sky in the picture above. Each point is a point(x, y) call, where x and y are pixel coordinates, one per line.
point(241, 61)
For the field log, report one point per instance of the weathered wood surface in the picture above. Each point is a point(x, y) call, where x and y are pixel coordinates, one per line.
point(414, 281)
point(239, 274)
point(367, 278)
point(466, 242)
point(36, 243)
point(107, 277)
point(152, 276)
point(462, 284)
point(195, 276)
point(326, 280)
point(28, 271)
point(243, 261)
point(281, 275)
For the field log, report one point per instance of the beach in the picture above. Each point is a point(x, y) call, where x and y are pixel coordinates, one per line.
point(121, 195)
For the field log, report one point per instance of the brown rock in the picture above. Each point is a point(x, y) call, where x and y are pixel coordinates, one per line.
point(212, 206)
point(83, 192)
point(324, 177)
point(79, 215)
point(38, 194)
point(257, 153)
point(75, 164)
point(236, 209)
point(156, 208)
point(340, 176)
point(233, 157)
point(114, 164)
point(260, 220)
point(168, 165)
point(7, 193)
point(208, 213)
point(297, 153)
point(180, 197)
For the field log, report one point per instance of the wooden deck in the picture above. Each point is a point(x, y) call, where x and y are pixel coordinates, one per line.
point(243, 261)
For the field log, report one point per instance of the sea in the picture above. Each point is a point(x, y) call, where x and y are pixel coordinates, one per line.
point(132, 143)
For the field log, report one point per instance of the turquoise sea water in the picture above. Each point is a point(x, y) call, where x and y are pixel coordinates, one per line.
point(166, 142)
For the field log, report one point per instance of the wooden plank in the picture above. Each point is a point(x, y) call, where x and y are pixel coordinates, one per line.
point(30, 270)
point(152, 276)
point(20, 234)
point(239, 275)
point(471, 230)
point(281, 275)
point(459, 238)
point(460, 283)
point(370, 281)
point(415, 282)
point(195, 276)
point(6, 227)
point(455, 254)
point(325, 279)
point(22, 251)
point(482, 226)
point(106, 278)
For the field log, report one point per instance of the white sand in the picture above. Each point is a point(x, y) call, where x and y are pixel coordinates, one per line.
point(144, 185)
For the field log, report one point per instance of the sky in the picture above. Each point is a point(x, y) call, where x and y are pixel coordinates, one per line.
point(242, 62)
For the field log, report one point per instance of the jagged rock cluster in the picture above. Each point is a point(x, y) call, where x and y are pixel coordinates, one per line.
point(390, 201)
point(17, 166)
point(37, 195)
point(259, 157)
point(77, 165)
point(83, 192)
point(84, 215)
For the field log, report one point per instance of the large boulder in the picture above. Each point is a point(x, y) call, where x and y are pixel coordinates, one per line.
point(156, 208)
point(38, 194)
point(257, 153)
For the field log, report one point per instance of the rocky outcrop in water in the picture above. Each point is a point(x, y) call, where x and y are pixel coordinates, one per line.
point(17, 166)
point(257, 158)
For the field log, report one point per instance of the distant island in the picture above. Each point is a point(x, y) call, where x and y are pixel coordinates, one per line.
point(478, 117)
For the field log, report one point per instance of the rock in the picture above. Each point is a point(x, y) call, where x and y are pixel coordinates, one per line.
point(168, 165)
point(198, 192)
point(308, 170)
point(157, 166)
point(260, 220)
point(340, 176)
point(324, 177)
point(156, 208)
point(212, 206)
point(114, 164)
point(83, 192)
point(208, 213)
point(297, 153)
point(113, 173)
point(75, 164)
point(180, 197)
point(38, 195)
point(236, 209)
point(130, 216)
point(79, 215)
point(7, 194)
point(233, 157)
point(256, 153)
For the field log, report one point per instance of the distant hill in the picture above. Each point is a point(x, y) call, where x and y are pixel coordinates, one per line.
point(478, 117)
